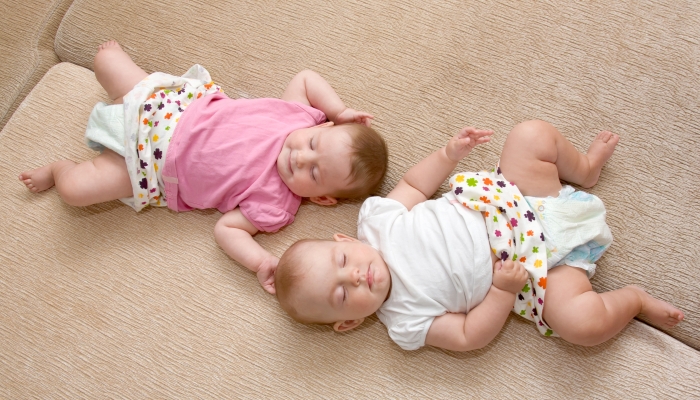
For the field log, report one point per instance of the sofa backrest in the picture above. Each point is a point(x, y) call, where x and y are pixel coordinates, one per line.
point(27, 30)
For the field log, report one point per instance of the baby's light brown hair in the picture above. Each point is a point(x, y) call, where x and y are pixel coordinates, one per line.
point(289, 271)
point(369, 161)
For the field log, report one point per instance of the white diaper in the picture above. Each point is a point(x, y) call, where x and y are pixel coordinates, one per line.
point(105, 128)
point(574, 227)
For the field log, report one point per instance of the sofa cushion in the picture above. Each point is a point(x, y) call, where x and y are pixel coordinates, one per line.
point(427, 68)
point(27, 30)
point(102, 301)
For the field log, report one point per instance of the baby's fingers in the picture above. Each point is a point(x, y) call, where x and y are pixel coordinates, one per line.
point(520, 271)
point(508, 265)
point(481, 133)
point(270, 287)
point(464, 142)
point(483, 139)
point(364, 118)
point(497, 265)
point(466, 132)
point(518, 266)
point(478, 136)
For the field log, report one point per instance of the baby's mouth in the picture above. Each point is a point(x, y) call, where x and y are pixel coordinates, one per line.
point(370, 277)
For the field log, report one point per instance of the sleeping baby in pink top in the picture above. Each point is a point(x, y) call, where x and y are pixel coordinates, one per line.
point(225, 154)
point(180, 142)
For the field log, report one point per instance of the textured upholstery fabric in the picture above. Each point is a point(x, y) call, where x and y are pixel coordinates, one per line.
point(88, 310)
point(27, 30)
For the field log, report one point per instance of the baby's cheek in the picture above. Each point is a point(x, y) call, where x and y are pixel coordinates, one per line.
point(367, 304)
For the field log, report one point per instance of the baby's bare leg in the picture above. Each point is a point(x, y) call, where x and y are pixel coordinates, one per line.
point(581, 316)
point(101, 179)
point(116, 71)
point(536, 156)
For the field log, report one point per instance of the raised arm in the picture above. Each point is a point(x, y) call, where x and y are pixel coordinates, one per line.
point(477, 328)
point(234, 233)
point(309, 88)
point(424, 178)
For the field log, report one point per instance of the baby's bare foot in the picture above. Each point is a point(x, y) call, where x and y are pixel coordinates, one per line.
point(600, 151)
point(39, 179)
point(658, 312)
point(112, 44)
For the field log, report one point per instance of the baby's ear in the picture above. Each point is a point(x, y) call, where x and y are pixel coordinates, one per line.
point(324, 200)
point(342, 326)
point(339, 237)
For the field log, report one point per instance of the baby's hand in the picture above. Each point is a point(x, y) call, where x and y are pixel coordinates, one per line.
point(266, 274)
point(462, 143)
point(352, 116)
point(509, 276)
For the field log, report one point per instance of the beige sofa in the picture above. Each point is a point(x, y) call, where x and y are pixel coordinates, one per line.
point(101, 302)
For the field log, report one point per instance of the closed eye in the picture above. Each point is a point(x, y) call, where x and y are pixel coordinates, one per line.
point(337, 296)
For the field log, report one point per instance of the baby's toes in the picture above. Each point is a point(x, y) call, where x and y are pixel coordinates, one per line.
point(604, 136)
point(677, 316)
point(674, 318)
point(106, 44)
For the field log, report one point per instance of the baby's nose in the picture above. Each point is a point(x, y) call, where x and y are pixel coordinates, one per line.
point(302, 158)
point(357, 277)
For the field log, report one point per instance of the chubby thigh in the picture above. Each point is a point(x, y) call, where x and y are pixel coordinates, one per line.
point(565, 284)
point(104, 178)
point(529, 157)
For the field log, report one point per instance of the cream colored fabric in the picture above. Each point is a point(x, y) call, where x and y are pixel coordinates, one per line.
point(425, 69)
point(88, 312)
point(27, 30)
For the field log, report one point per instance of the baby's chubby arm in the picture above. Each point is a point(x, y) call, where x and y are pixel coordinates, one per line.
point(476, 329)
point(309, 88)
point(424, 178)
point(234, 233)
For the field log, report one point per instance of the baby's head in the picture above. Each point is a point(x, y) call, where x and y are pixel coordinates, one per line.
point(337, 282)
point(327, 162)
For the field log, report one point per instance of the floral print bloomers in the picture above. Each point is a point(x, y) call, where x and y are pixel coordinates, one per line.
point(514, 232)
point(152, 110)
